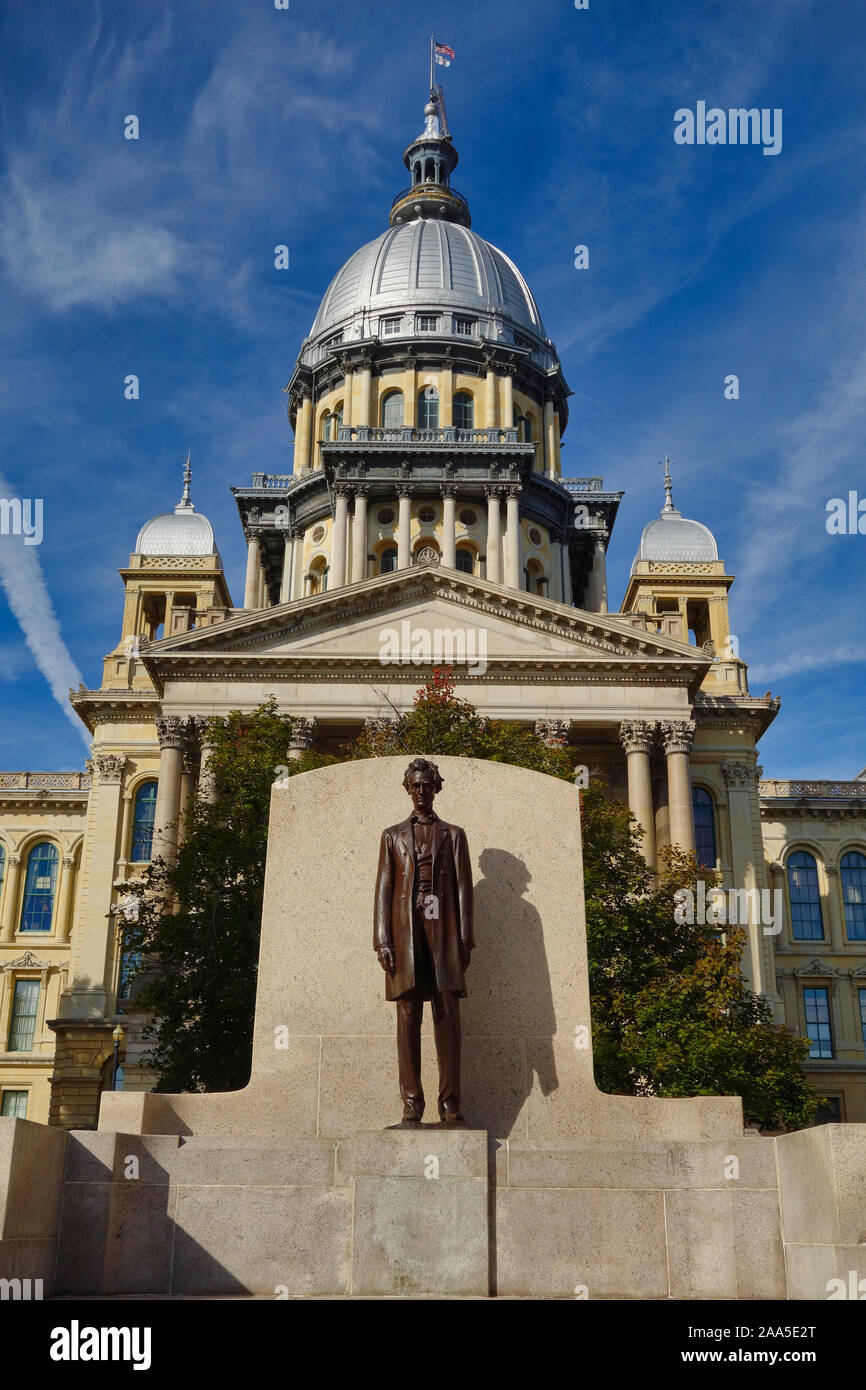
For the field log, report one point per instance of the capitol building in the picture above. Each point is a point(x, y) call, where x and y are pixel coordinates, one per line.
point(428, 406)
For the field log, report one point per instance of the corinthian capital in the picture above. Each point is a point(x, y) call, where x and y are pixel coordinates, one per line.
point(553, 732)
point(110, 767)
point(677, 735)
point(637, 735)
point(738, 775)
point(171, 731)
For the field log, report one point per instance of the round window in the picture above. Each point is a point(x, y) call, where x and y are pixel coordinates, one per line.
point(385, 516)
point(467, 517)
point(535, 535)
point(426, 514)
point(318, 535)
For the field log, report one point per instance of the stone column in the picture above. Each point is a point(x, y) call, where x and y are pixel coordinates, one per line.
point(494, 546)
point(512, 536)
point(288, 559)
point(10, 898)
point(549, 438)
point(446, 395)
point(490, 420)
point(677, 737)
point(359, 543)
point(637, 737)
point(599, 575)
point(449, 525)
point(555, 586)
point(303, 423)
point(262, 595)
point(251, 585)
point(741, 782)
point(171, 731)
point(833, 914)
point(565, 560)
point(340, 532)
point(348, 387)
point(410, 392)
point(363, 383)
point(404, 535)
point(128, 800)
point(302, 736)
point(297, 561)
point(187, 786)
point(206, 780)
point(507, 398)
point(62, 923)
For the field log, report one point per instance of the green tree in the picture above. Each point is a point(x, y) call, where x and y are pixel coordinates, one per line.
point(671, 1012)
point(199, 920)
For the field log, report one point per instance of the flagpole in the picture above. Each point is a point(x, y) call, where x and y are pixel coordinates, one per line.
point(431, 66)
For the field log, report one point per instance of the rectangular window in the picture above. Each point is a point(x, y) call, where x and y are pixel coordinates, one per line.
point(465, 327)
point(23, 1025)
point(14, 1105)
point(819, 1033)
point(862, 994)
point(522, 342)
point(427, 323)
point(388, 328)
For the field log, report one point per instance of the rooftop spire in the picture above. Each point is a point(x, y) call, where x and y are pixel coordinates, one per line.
point(185, 503)
point(669, 487)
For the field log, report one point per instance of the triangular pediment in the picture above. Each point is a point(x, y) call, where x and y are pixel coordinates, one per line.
point(423, 616)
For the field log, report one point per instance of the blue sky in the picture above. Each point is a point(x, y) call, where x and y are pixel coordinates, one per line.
point(260, 127)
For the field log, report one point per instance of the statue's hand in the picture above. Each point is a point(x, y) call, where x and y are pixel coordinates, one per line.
point(386, 959)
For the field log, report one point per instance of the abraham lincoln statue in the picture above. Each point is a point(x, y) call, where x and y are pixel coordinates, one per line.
point(422, 934)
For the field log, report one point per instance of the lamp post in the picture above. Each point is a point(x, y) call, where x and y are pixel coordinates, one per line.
point(118, 1035)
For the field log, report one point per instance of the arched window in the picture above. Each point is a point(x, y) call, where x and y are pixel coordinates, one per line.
point(806, 920)
point(142, 823)
point(428, 409)
point(534, 578)
point(429, 171)
point(526, 429)
point(338, 420)
point(853, 867)
point(464, 411)
point(393, 411)
point(465, 561)
point(318, 577)
point(327, 426)
point(39, 888)
point(705, 827)
point(389, 560)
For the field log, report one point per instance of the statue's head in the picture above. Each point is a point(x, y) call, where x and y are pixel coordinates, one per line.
point(422, 781)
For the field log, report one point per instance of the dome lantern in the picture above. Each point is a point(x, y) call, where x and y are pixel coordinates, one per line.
point(431, 159)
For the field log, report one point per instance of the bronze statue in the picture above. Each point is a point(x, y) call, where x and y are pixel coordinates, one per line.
point(422, 934)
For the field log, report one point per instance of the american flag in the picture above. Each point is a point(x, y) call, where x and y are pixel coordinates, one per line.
point(443, 54)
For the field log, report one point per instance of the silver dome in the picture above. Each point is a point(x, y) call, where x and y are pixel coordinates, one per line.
point(674, 537)
point(427, 263)
point(181, 532)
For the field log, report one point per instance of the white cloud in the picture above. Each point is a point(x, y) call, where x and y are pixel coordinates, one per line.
point(28, 598)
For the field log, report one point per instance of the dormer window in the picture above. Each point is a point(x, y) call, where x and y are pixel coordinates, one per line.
point(389, 328)
point(465, 327)
point(426, 323)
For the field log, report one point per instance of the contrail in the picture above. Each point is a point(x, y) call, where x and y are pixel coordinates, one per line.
point(22, 578)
